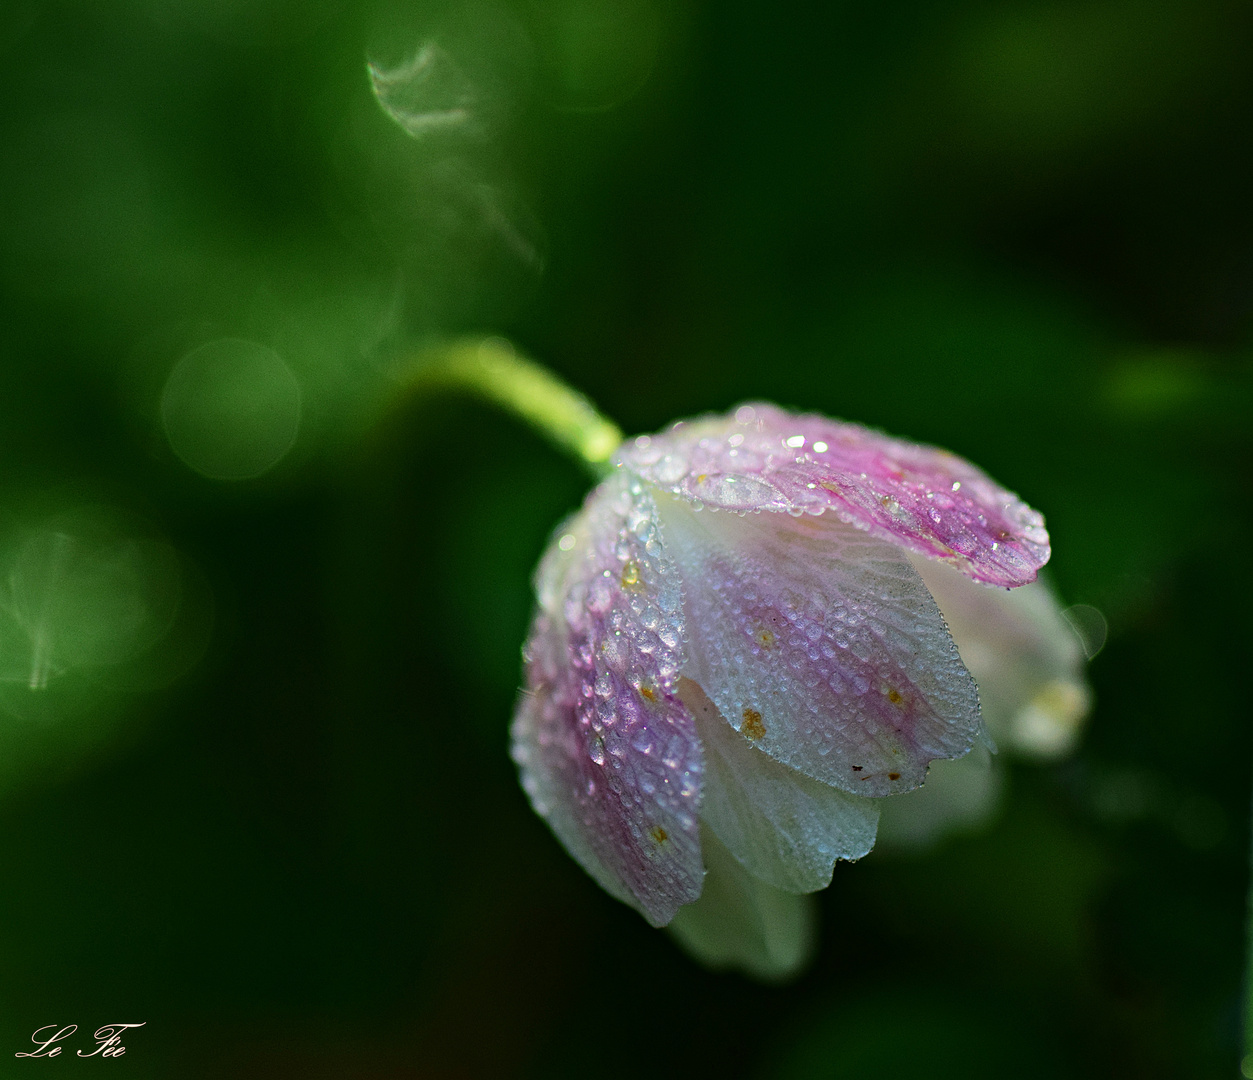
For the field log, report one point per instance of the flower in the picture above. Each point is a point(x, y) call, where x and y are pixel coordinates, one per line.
point(1027, 658)
point(737, 655)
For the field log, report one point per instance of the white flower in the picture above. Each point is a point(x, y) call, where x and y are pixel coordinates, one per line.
point(736, 658)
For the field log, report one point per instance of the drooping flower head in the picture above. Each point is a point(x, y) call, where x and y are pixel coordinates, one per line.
point(734, 649)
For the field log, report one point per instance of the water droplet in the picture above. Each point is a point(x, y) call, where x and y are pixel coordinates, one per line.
point(670, 469)
point(597, 753)
point(734, 492)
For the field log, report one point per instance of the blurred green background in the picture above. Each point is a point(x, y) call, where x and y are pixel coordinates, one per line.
point(260, 614)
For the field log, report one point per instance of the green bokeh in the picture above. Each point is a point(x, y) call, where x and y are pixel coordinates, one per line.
point(262, 799)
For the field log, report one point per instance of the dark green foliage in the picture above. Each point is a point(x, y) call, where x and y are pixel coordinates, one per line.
point(293, 842)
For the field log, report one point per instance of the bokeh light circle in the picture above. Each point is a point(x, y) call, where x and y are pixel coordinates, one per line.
point(231, 409)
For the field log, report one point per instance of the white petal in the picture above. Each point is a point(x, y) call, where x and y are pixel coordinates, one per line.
point(1026, 658)
point(821, 644)
point(742, 923)
point(784, 827)
point(958, 796)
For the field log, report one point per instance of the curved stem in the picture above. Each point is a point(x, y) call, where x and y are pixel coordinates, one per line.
point(491, 369)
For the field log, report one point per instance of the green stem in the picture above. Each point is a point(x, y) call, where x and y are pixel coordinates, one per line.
point(490, 369)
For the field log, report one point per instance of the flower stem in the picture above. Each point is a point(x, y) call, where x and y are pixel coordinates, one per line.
point(491, 369)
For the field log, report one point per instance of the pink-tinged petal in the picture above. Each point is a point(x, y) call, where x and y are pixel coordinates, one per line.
point(821, 645)
point(608, 753)
point(784, 827)
point(1027, 659)
point(923, 498)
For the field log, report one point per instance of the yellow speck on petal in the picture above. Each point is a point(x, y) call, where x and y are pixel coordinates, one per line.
point(630, 575)
point(752, 727)
point(894, 776)
point(647, 692)
point(894, 696)
point(659, 835)
point(766, 638)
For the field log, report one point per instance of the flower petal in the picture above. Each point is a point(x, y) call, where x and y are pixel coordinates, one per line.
point(1025, 656)
point(821, 644)
point(784, 827)
point(741, 922)
point(609, 756)
point(923, 498)
point(959, 797)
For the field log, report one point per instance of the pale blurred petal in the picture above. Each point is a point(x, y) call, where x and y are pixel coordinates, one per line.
point(1027, 659)
point(821, 644)
point(609, 756)
point(958, 796)
point(785, 828)
point(920, 497)
point(742, 923)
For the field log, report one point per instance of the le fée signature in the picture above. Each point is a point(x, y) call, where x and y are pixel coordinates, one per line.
point(108, 1040)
